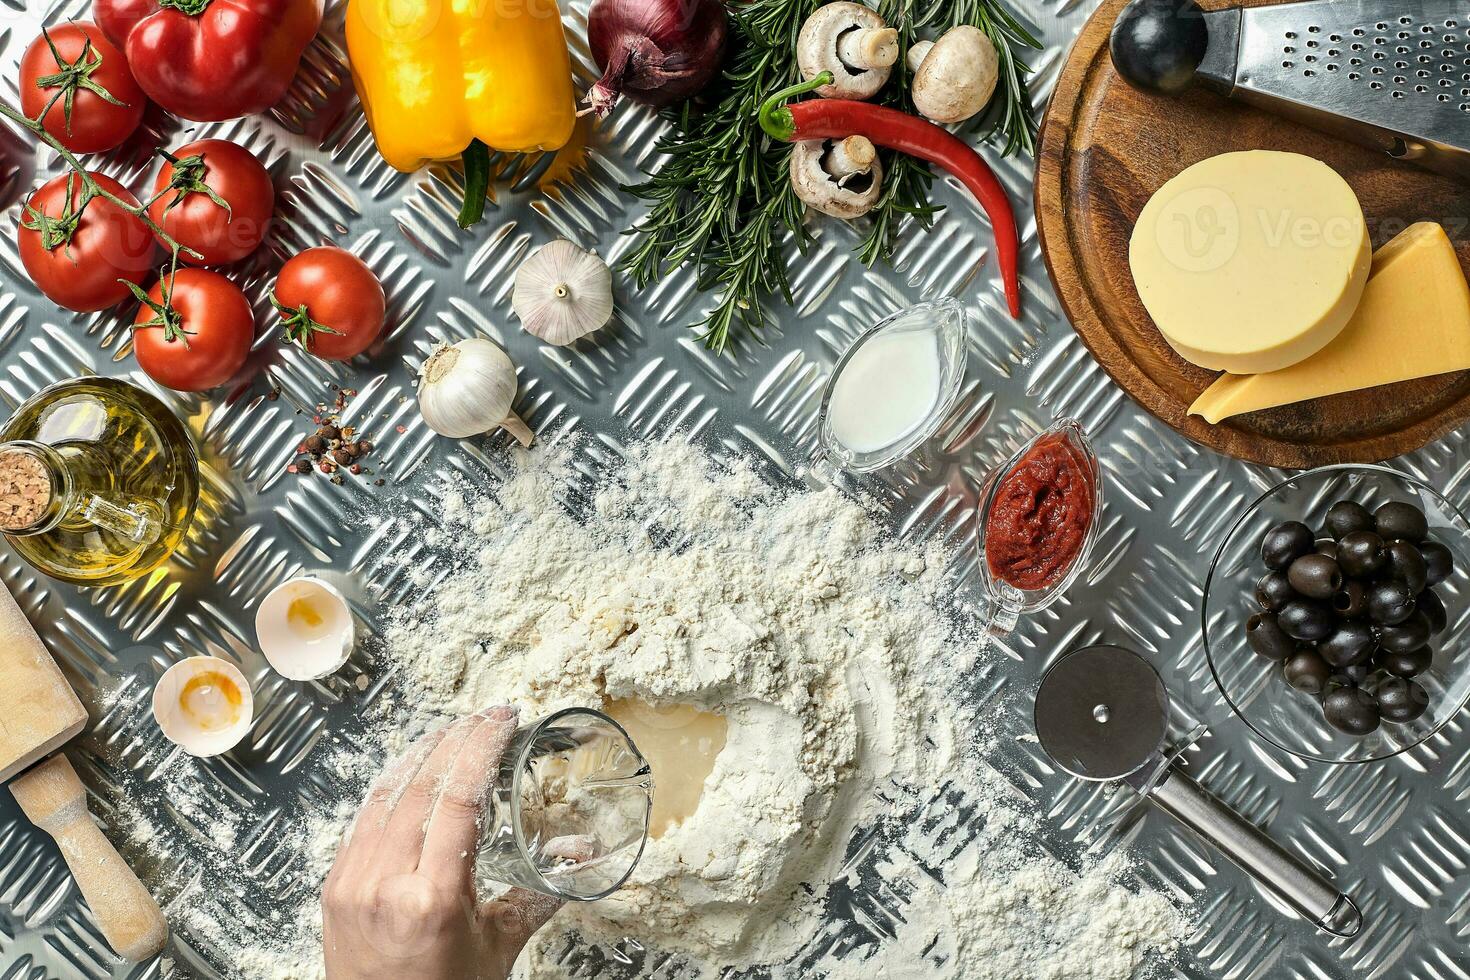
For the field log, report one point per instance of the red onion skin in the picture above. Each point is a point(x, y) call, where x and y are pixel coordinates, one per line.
point(656, 52)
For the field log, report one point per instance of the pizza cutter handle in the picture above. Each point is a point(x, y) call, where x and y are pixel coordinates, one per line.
point(1258, 855)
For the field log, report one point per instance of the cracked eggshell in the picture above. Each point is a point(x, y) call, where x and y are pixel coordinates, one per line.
point(204, 705)
point(305, 629)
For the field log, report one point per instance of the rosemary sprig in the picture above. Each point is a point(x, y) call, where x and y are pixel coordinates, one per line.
point(722, 202)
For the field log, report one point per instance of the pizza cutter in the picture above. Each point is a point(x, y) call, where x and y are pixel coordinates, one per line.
point(1102, 714)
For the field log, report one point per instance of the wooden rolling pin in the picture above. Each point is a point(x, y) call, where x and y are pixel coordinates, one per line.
point(39, 712)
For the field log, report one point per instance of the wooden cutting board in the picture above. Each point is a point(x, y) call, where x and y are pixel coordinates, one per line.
point(1106, 148)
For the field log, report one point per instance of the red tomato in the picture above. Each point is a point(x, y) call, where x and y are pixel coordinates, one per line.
point(332, 303)
point(212, 59)
point(95, 122)
point(193, 218)
point(108, 244)
point(200, 339)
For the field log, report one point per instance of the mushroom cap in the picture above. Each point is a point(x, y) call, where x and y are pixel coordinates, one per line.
point(957, 76)
point(820, 190)
point(816, 50)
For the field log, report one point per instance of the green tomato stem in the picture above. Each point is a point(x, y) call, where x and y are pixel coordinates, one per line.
point(90, 188)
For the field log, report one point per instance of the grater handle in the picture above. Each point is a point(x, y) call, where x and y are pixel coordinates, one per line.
point(1168, 46)
point(1257, 854)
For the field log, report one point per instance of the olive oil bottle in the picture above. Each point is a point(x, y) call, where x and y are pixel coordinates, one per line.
point(98, 481)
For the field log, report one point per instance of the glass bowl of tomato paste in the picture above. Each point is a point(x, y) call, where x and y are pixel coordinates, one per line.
point(1038, 520)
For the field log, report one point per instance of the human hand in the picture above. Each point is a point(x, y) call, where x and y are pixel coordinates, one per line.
point(400, 900)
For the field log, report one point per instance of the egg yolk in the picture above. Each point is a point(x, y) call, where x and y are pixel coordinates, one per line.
point(211, 700)
point(305, 618)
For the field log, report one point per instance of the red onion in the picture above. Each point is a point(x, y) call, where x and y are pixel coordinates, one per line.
point(657, 52)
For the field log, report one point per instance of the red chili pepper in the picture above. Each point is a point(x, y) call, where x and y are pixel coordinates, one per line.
point(820, 119)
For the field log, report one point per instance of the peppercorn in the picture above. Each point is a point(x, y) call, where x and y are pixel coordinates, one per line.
point(315, 444)
point(341, 456)
point(326, 467)
point(364, 447)
point(329, 431)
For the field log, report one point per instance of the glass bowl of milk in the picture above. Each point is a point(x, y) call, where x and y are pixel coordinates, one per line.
point(893, 386)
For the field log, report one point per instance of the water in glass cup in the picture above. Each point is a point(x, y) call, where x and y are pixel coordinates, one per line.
point(569, 812)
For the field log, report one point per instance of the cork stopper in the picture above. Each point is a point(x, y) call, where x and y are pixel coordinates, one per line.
point(25, 490)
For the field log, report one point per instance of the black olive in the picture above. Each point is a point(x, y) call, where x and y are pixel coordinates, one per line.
point(1389, 602)
point(1410, 664)
point(1267, 638)
point(1347, 516)
point(1411, 634)
point(1285, 543)
point(1361, 554)
point(1350, 601)
point(1439, 561)
point(1274, 591)
point(1355, 675)
point(1406, 564)
point(1306, 671)
point(1351, 643)
point(1303, 620)
point(1351, 710)
point(1401, 521)
point(1431, 605)
point(1327, 546)
point(1315, 576)
point(1401, 700)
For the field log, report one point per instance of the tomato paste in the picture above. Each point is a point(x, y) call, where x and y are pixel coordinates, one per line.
point(1040, 516)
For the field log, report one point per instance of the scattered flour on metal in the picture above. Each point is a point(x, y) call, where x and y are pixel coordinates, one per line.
point(834, 653)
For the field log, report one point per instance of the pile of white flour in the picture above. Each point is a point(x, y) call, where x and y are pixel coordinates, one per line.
point(788, 615)
point(834, 655)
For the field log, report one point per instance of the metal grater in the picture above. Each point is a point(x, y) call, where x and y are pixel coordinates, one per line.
point(1390, 74)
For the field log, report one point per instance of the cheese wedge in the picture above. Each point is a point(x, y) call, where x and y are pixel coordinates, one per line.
point(1251, 261)
point(1413, 322)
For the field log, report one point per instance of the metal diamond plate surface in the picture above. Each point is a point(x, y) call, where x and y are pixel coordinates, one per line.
point(1396, 835)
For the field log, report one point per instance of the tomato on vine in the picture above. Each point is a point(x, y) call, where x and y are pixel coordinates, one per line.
point(214, 197)
point(78, 84)
point(332, 304)
point(76, 246)
point(193, 331)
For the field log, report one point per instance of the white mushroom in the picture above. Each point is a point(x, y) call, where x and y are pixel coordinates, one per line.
point(850, 41)
point(955, 76)
point(841, 178)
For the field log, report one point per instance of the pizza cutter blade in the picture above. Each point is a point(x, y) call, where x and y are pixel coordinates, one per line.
point(1102, 714)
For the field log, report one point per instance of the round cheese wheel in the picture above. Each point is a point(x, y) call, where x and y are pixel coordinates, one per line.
point(1250, 262)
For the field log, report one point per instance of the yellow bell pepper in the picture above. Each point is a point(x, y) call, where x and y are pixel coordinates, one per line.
point(441, 79)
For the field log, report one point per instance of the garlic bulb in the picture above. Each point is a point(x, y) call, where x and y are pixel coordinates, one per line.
point(468, 388)
point(562, 293)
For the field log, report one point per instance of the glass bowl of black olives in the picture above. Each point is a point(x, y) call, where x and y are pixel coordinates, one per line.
point(1334, 614)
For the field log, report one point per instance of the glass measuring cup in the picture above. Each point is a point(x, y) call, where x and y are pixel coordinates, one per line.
point(569, 811)
point(892, 388)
